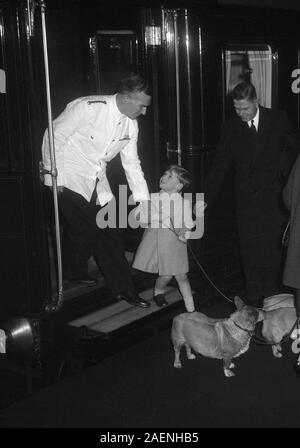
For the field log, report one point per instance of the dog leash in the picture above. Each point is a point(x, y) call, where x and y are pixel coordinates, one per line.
point(261, 341)
point(172, 229)
point(199, 264)
point(256, 338)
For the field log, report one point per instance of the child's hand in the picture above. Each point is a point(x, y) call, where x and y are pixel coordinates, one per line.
point(141, 213)
point(145, 206)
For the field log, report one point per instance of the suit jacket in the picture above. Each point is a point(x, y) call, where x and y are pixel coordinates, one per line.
point(291, 195)
point(261, 164)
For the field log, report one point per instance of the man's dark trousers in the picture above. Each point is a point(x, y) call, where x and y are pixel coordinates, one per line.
point(84, 238)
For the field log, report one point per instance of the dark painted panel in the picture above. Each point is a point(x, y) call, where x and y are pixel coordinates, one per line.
point(14, 276)
point(13, 266)
point(11, 208)
point(10, 105)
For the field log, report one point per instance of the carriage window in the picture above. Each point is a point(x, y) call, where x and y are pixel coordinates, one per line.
point(253, 65)
point(114, 55)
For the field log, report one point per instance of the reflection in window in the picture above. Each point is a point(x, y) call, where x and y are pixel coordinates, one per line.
point(2, 81)
point(253, 66)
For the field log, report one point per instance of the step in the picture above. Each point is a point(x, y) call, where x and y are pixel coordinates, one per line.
point(117, 315)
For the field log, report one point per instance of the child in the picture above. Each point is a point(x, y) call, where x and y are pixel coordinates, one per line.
point(163, 248)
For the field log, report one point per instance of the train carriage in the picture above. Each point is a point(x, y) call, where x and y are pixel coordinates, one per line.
point(193, 54)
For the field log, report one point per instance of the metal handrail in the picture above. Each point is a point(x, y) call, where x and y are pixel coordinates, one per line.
point(57, 302)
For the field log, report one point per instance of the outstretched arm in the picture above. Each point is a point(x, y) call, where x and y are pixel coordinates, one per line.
point(132, 167)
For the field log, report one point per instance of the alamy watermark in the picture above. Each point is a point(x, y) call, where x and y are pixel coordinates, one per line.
point(161, 211)
point(296, 83)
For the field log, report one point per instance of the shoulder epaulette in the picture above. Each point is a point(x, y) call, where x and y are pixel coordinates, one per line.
point(97, 101)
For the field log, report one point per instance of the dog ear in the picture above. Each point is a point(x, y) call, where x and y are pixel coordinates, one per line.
point(238, 302)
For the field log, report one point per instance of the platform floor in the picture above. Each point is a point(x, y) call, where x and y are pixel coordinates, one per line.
point(139, 388)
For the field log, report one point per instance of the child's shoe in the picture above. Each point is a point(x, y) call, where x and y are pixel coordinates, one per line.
point(160, 300)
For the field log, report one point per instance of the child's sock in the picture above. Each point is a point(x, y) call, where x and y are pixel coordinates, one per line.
point(189, 304)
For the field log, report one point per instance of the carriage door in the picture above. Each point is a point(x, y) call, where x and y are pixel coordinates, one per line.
point(22, 260)
point(113, 54)
point(182, 114)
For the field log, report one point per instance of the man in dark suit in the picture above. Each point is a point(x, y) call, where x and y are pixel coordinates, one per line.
point(257, 142)
point(291, 196)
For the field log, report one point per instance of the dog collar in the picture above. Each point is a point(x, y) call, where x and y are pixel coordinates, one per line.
point(251, 332)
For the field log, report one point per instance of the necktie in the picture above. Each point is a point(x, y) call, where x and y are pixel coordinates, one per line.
point(253, 140)
point(253, 128)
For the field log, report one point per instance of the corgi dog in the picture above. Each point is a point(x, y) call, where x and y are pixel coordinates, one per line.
point(279, 317)
point(215, 338)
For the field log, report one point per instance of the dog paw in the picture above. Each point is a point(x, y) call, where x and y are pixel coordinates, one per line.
point(192, 356)
point(232, 365)
point(177, 365)
point(228, 373)
point(277, 354)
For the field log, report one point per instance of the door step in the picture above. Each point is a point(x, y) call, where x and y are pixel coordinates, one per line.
point(120, 314)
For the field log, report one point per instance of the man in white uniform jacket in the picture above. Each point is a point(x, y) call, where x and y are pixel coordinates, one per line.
point(89, 133)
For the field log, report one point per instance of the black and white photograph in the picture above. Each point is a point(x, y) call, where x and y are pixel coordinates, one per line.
point(149, 218)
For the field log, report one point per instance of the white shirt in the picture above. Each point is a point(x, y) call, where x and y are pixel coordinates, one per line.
point(255, 120)
point(90, 132)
